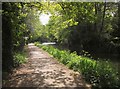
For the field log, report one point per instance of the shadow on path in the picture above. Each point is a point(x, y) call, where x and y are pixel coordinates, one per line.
point(43, 71)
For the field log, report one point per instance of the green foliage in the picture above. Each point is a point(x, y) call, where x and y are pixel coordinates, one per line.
point(80, 24)
point(99, 73)
point(19, 58)
point(15, 28)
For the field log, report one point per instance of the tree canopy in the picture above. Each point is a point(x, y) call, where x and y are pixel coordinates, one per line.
point(76, 25)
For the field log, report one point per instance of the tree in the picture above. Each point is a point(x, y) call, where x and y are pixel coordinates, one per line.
point(14, 29)
point(7, 61)
point(86, 24)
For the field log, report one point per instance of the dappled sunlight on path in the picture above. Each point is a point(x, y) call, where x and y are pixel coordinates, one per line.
point(42, 70)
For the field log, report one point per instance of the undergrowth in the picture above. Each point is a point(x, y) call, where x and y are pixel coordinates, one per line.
point(100, 74)
point(20, 57)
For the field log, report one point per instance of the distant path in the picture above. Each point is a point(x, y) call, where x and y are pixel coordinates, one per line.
point(42, 70)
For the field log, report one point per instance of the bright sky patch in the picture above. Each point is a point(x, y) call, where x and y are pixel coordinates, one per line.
point(44, 18)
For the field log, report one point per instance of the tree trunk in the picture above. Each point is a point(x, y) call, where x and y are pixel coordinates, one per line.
point(119, 16)
point(95, 24)
point(102, 23)
point(7, 59)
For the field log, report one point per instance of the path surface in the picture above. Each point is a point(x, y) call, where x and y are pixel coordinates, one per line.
point(42, 70)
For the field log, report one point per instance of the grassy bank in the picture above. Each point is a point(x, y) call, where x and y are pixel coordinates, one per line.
point(101, 74)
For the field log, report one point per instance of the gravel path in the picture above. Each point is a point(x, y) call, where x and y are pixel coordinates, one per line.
point(43, 71)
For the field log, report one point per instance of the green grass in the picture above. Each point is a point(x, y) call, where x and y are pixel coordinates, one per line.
point(100, 73)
